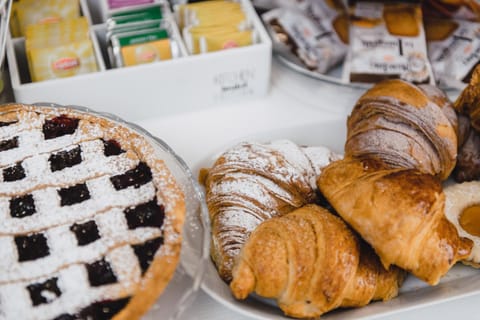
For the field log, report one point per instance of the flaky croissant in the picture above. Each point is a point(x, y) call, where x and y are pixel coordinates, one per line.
point(311, 262)
point(399, 212)
point(405, 126)
point(252, 182)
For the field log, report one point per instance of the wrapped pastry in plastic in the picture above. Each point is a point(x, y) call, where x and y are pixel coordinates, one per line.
point(456, 9)
point(453, 47)
point(316, 33)
point(387, 40)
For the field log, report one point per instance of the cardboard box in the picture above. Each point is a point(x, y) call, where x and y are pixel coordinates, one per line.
point(150, 90)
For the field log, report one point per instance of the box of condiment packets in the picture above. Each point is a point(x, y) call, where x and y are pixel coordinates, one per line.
point(138, 59)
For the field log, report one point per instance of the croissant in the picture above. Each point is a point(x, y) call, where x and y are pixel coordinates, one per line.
point(404, 126)
point(399, 212)
point(311, 262)
point(253, 182)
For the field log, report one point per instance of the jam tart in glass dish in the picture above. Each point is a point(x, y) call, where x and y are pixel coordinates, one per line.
point(91, 217)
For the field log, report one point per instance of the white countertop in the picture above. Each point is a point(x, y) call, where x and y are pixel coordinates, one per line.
point(294, 100)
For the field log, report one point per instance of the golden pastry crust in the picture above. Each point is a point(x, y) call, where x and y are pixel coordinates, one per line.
point(252, 182)
point(460, 196)
point(404, 126)
point(311, 263)
point(144, 290)
point(399, 212)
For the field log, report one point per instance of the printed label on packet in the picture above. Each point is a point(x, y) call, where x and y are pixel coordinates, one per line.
point(62, 61)
point(391, 47)
point(142, 47)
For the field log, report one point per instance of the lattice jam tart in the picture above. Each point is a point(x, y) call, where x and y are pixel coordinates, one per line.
point(90, 217)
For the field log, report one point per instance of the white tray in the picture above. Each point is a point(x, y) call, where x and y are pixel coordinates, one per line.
point(459, 282)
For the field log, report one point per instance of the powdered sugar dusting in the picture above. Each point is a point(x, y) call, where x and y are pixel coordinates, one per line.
point(50, 217)
point(253, 182)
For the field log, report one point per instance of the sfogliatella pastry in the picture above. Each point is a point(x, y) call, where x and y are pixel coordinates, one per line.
point(462, 208)
point(311, 263)
point(91, 217)
point(405, 126)
point(399, 212)
point(252, 182)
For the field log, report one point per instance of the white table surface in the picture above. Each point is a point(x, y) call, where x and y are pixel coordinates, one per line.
point(293, 100)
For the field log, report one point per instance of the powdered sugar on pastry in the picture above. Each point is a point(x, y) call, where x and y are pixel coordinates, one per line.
point(252, 182)
point(458, 198)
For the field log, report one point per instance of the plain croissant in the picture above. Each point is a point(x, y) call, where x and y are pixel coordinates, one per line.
point(399, 212)
point(252, 182)
point(311, 263)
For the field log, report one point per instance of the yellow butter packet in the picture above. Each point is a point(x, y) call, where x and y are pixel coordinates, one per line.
point(45, 11)
point(62, 61)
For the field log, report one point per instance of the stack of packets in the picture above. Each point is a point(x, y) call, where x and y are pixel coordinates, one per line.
point(140, 35)
point(116, 4)
point(453, 36)
point(59, 50)
point(387, 40)
point(430, 41)
point(314, 31)
point(27, 12)
point(214, 25)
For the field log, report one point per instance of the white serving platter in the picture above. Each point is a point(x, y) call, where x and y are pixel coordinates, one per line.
point(460, 281)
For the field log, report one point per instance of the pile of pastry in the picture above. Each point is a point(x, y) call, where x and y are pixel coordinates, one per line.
point(317, 231)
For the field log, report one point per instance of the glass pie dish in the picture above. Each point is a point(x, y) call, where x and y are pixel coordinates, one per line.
point(107, 242)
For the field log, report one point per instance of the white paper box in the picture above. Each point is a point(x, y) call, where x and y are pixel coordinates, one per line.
point(155, 89)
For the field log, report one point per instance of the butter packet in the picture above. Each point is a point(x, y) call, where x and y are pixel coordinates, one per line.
point(316, 35)
point(454, 50)
point(387, 41)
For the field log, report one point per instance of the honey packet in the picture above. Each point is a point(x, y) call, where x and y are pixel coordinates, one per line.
point(316, 35)
point(387, 40)
point(454, 50)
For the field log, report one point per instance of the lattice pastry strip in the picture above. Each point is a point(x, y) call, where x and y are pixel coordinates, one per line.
point(49, 211)
point(91, 217)
point(29, 143)
point(88, 163)
point(67, 245)
point(70, 289)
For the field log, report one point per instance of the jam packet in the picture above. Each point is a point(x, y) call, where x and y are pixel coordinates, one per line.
point(27, 12)
point(387, 40)
point(317, 35)
point(454, 50)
